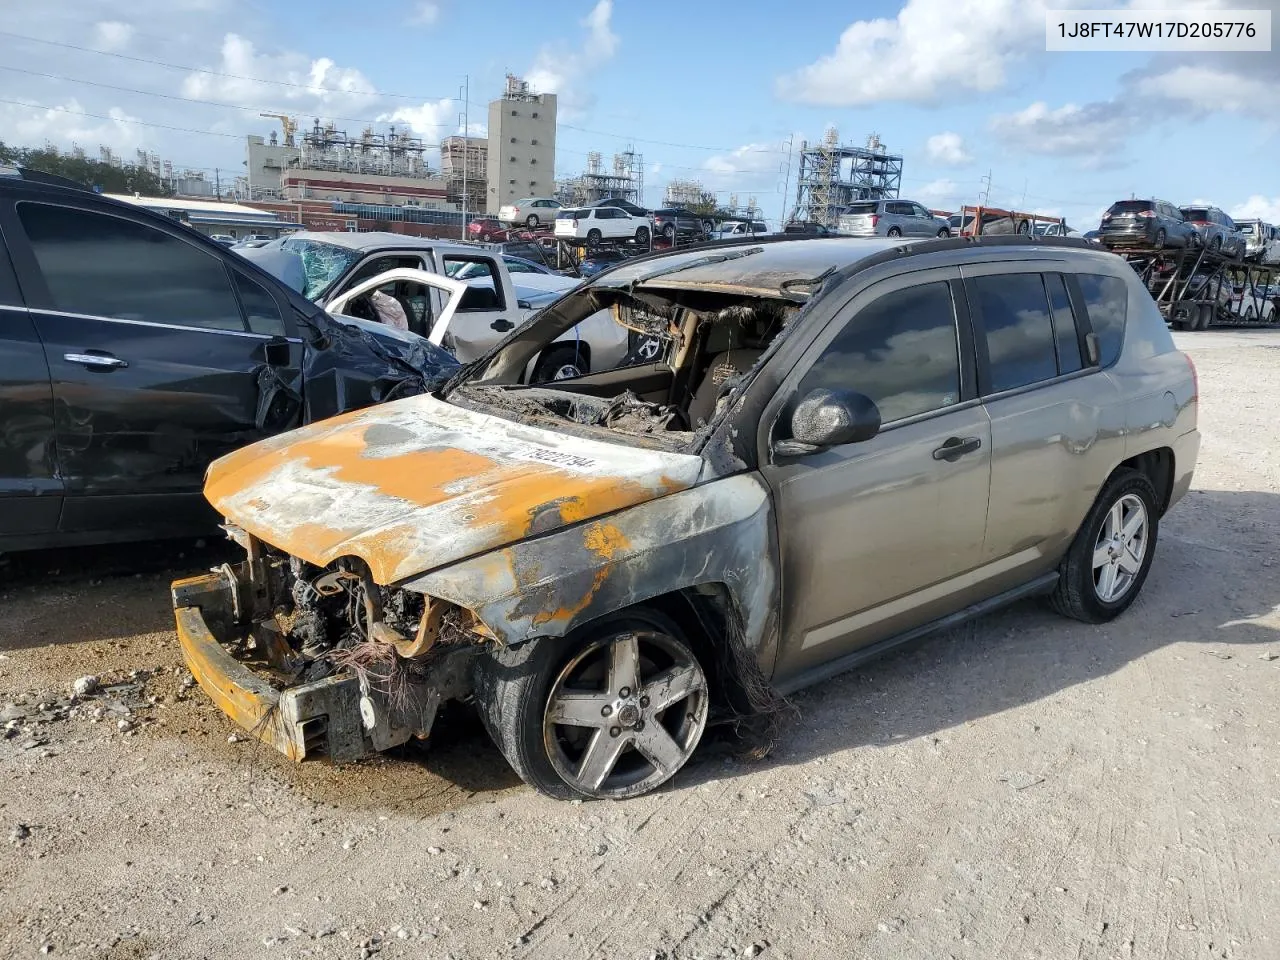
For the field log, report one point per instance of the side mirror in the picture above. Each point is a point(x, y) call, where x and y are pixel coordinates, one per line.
point(828, 418)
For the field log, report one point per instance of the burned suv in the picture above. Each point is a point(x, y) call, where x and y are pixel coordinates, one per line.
point(841, 445)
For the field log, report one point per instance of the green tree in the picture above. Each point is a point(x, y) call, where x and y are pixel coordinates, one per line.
point(91, 173)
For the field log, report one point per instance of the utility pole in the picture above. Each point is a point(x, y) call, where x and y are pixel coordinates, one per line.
point(466, 146)
point(786, 181)
point(1023, 204)
point(986, 194)
point(217, 183)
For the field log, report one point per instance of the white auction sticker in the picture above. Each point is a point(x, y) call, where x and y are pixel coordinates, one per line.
point(1185, 30)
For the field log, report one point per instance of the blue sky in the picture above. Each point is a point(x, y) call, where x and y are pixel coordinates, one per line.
point(712, 91)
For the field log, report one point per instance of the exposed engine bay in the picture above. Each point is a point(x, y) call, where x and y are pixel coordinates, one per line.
point(704, 343)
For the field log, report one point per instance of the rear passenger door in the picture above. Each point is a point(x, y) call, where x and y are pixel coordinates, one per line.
point(30, 490)
point(155, 346)
point(923, 224)
point(1056, 426)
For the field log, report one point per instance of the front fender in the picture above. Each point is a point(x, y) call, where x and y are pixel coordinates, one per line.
point(719, 532)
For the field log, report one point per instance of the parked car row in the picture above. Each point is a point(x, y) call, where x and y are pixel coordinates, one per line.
point(1161, 224)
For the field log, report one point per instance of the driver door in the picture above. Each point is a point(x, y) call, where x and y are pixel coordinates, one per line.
point(878, 537)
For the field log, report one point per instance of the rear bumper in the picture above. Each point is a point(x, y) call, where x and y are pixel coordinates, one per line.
point(333, 716)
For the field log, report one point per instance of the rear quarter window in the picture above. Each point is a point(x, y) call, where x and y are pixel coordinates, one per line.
point(1106, 301)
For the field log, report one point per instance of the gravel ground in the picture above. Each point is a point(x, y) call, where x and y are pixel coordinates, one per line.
point(1022, 787)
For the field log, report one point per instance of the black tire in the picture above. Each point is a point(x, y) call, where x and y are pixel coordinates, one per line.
point(511, 686)
point(1204, 317)
point(669, 231)
point(1181, 325)
point(1216, 245)
point(1024, 228)
point(944, 233)
point(554, 362)
point(642, 236)
point(1076, 594)
point(1161, 239)
point(532, 221)
point(894, 232)
point(593, 237)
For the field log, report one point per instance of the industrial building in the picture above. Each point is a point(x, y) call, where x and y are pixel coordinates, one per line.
point(212, 217)
point(689, 194)
point(325, 163)
point(464, 163)
point(625, 181)
point(834, 175)
point(522, 145)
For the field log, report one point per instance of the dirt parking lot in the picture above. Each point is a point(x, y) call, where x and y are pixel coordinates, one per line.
point(1023, 787)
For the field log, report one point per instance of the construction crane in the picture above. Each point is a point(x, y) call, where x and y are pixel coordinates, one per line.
point(288, 124)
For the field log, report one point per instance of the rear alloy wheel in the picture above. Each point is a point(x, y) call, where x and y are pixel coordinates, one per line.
point(894, 232)
point(1216, 245)
point(1161, 238)
point(593, 237)
point(669, 231)
point(609, 712)
point(1109, 559)
point(1024, 228)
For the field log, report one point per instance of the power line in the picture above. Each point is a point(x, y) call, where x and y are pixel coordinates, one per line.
point(99, 116)
point(668, 143)
point(172, 96)
point(215, 73)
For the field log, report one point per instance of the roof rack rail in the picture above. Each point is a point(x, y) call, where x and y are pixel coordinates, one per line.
point(39, 176)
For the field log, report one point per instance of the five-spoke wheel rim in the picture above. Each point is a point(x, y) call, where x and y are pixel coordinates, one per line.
point(1120, 548)
point(625, 714)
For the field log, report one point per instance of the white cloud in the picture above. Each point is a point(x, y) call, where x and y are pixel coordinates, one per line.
point(948, 150)
point(1209, 89)
point(1091, 131)
point(64, 125)
point(1258, 207)
point(560, 70)
point(112, 35)
point(431, 120)
point(314, 85)
point(425, 13)
point(933, 50)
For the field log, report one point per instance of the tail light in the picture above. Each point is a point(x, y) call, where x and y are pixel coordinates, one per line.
point(1144, 213)
point(875, 219)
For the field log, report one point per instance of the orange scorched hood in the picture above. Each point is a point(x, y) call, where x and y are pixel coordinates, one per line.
point(416, 484)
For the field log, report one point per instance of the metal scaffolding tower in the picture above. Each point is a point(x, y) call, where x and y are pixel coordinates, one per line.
point(833, 176)
point(624, 182)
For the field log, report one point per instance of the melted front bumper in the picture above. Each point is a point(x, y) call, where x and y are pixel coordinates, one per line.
point(324, 717)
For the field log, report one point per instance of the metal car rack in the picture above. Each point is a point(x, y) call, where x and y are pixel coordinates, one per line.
point(1196, 287)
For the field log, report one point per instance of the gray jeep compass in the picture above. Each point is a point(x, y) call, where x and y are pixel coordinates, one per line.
point(840, 445)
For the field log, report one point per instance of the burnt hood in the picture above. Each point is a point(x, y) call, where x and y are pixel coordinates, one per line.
point(417, 484)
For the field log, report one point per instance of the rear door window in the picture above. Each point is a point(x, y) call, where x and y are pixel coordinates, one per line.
point(1106, 300)
point(260, 307)
point(900, 350)
point(108, 266)
point(1016, 329)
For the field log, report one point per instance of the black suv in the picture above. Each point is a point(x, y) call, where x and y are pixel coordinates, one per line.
point(1215, 230)
point(1147, 223)
point(134, 351)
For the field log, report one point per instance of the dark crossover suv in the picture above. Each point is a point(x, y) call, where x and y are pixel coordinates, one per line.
point(671, 222)
point(134, 351)
point(1146, 223)
point(846, 444)
point(1215, 230)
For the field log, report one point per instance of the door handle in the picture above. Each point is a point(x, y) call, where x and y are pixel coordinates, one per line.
point(956, 447)
point(102, 361)
point(502, 325)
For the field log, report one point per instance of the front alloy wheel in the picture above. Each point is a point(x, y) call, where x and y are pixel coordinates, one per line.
point(612, 710)
point(625, 714)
